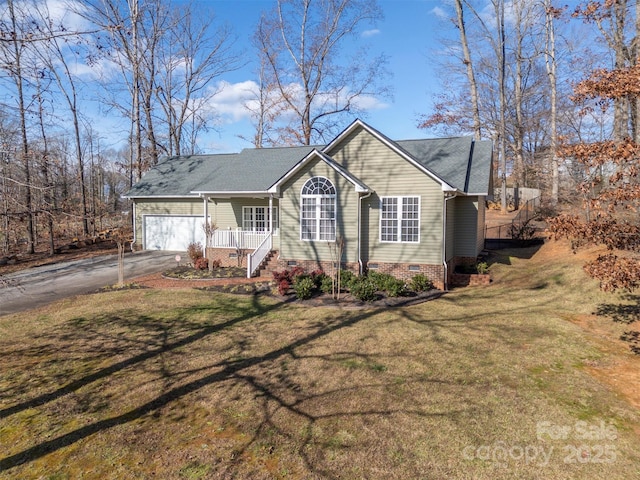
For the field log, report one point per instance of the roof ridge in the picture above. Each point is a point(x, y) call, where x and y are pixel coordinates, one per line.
point(457, 137)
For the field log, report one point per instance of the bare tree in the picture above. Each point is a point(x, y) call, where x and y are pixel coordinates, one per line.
point(500, 49)
point(54, 57)
point(13, 52)
point(611, 19)
point(303, 43)
point(48, 192)
point(473, 86)
point(124, 45)
point(551, 64)
point(192, 55)
point(265, 106)
point(521, 89)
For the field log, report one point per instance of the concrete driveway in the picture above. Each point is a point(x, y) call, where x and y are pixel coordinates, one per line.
point(41, 285)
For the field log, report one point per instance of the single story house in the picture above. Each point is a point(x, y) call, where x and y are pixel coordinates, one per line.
point(402, 207)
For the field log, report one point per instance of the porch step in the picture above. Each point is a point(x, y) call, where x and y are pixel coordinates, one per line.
point(268, 265)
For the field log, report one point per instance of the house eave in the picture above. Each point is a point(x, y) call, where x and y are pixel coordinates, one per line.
point(473, 194)
point(159, 197)
point(231, 194)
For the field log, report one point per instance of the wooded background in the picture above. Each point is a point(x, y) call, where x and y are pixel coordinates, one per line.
point(511, 71)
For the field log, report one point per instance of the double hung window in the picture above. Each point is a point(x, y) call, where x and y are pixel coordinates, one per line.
point(400, 219)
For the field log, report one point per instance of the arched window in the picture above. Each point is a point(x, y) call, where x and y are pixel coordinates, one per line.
point(318, 210)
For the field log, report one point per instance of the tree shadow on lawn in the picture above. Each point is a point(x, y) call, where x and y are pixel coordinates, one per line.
point(160, 341)
point(86, 331)
point(626, 313)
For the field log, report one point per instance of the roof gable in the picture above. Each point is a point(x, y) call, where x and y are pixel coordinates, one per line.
point(359, 124)
point(315, 153)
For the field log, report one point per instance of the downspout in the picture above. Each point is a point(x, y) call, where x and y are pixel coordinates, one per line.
point(444, 239)
point(135, 224)
point(361, 267)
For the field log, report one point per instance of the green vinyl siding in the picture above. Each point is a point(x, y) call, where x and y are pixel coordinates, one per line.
point(224, 213)
point(291, 246)
point(480, 227)
point(187, 206)
point(466, 226)
point(388, 174)
point(451, 227)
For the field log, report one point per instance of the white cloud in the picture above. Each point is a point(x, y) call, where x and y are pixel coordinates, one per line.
point(63, 12)
point(370, 33)
point(231, 99)
point(440, 13)
point(234, 102)
point(369, 102)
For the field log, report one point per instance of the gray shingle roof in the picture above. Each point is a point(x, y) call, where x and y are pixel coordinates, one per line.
point(452, 160)
point(481, 167)
point(176, 176)
point(460, 162)
point(252, 170)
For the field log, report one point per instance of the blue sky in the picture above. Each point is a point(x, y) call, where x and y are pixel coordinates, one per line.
point(408, 35)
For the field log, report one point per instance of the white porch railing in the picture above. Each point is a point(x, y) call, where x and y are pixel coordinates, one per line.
point(255, 258)
point(237, 238)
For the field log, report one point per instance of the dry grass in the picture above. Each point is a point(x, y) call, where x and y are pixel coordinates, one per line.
point(186, 384)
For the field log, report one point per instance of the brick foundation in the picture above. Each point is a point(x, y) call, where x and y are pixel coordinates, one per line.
point(228, 257)
point(406, 271)
point(466, 279)
point(311, 265)
point(402, 271)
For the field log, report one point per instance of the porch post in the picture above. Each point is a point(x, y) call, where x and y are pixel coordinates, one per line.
point(206, 219)
point(271, 214)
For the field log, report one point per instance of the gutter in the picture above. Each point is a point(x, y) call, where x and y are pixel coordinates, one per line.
point(359, 230)
point(157, 197)
point(231, 193)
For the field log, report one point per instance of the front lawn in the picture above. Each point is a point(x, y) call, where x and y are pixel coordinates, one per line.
point(483, 382)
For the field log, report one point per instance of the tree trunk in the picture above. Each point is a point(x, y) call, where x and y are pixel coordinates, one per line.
point(18, 78)
point(499, 9)
point(473, 87)
point(518, 128)
point(48, 184)
point(551, 65)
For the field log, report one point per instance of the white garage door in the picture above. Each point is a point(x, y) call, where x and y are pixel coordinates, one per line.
point(168, 232)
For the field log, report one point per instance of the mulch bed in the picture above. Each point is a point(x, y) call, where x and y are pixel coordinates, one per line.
point(224, 282)
point(189, 273)
point(348, 301)
point(239, 288)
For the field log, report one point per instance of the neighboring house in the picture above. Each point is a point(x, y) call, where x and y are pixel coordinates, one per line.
point(402, 207)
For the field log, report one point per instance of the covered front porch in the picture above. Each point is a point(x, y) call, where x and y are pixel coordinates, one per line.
point(240, 229)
